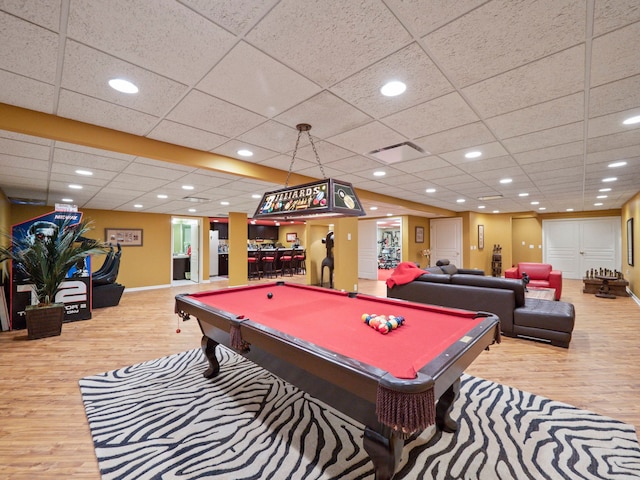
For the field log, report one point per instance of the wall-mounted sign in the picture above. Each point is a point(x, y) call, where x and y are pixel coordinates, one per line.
point(324, 198)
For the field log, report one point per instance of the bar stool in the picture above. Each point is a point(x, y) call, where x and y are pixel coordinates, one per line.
point(299, 262)
point(285, 262)
point(269, 264)
point(253, 261)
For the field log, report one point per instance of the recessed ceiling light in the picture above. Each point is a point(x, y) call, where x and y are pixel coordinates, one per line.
point(224, 203)
point(256, 195)
point(523, 194)
point(506, 180)
point(277, 224)
point(460, 200)
point(67, 200)
point(389, 214)
point(379, 173)
point(604, 190)
point(610, 179)
point(542, 208)
point(535, 203)
point(75, 187)
point(474, 154)
point(481, 206)
point(373, 208)
point(632, 120)
point(122, 85)
point(192, 210)
point(187, 187)
point(496, 211)
point(161, 195)
point(84, 172)
point(617, 164)
point(137, 205)
point(245, 153)
point(430, 190)
point(569, 209)
point(392, 89)
point(601, 196)
point(598, 204)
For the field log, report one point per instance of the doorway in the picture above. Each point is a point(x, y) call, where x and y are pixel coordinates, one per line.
point(185, 250)
point(577, 245)
point(389, 241)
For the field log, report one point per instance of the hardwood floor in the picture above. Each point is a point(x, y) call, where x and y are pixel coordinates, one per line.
point(44, 432)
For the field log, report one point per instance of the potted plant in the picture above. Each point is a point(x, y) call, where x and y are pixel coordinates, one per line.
point(44, 259)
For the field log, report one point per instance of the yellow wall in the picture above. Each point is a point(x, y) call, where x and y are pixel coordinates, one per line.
point(497, 231)
point(527, 230)
point(631, 209)
point(144, 266)
point(411, 250)
point(298, 229)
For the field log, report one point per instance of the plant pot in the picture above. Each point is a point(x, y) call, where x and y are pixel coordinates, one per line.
point(44, 321)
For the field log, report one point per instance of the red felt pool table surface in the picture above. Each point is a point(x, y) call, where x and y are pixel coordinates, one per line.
point(332, 320)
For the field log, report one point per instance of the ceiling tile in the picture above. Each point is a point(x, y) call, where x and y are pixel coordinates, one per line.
point(612, 14)
point(234, 15)
point(95, 111)
point(502, 35)
point(88, 72)
point(616, 55)
point(326, 113)
point(29, 50)
point(550, 153)
point(255, 81)
point(446, 112)
point(572, 132)
point(424, 16)
point(200, 110)
point(145, 42)
point(410, 65)
point(329, 41)
point(179, 134)
point(537, 82)
point(546, 115)
point(26, 92)
point(367, 138)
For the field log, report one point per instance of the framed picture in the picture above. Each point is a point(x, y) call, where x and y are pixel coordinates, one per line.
point(630, 241)
point(480, 237)
point(419, 234)
point(127, 237)
point(292, 237)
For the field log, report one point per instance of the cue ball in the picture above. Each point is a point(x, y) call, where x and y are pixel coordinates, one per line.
point(269, 295)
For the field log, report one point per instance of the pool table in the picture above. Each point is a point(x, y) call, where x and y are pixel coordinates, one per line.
point(396, 384)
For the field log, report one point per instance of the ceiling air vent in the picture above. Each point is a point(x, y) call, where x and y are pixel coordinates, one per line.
point(27, 201)
point(398, 153)
point(196, 199)
point(490, 197)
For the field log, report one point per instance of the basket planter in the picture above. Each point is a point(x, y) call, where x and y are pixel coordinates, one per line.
point(44, 321)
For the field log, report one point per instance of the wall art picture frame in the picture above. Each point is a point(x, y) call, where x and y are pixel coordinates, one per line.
point(292, 237)
point(480, 237)
point(419, 234)
point(630, 241)
point(127, 237)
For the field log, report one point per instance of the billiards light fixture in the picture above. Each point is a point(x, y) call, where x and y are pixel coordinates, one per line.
point(321, 199)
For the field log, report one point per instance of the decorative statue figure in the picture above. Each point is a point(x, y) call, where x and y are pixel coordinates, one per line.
point(328, 260)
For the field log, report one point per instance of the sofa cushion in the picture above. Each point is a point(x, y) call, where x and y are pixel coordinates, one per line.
point(449, 269)
point(436, 277)
point(546, 315)
point(444, 261)
point(515, 286)
point(536, 271)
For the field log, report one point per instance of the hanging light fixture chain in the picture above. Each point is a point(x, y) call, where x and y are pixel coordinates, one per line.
point(293, 158)
point(313, 145)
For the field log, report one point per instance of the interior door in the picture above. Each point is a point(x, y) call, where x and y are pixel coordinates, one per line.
point(195, 251)
point(367, 249)
point(577, 245)
point(446, 240)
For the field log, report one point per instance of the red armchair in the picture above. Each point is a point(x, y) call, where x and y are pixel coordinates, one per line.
point(540, 275)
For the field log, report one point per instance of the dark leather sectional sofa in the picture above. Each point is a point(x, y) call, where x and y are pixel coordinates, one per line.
point(547, 320)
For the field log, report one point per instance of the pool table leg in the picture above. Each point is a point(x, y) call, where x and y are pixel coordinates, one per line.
point(209, 350)
point(444, 422)
point(384, 451)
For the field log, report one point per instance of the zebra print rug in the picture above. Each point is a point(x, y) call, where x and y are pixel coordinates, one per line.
point(163, 420)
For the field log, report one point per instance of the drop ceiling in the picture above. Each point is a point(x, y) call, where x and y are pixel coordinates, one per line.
point(541, 88)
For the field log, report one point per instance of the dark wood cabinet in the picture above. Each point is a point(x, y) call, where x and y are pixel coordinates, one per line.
point(223, 264)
